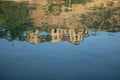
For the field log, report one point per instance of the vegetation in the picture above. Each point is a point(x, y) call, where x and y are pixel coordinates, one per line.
point(102, 18)
point(75, 2)
point(13, 14)
point(15, 19)
point(55, 9)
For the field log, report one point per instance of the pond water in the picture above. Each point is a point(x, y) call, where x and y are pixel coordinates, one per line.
point(60, 40)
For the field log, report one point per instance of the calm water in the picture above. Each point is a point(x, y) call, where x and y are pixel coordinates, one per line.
point(57, 41)
point(97, 58)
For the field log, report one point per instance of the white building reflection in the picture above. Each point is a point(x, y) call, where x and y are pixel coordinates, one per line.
point(72, 35)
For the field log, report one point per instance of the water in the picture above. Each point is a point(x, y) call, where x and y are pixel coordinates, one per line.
point(97, 58)
point(41, 42)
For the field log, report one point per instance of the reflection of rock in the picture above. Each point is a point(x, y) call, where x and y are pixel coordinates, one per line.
point(105, 17)
point(42, 2)
point(74, 36)
point(42, 17)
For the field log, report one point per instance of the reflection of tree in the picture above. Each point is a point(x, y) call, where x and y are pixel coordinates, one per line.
point(13, 14)
point(69, 2)
point(55, 7)
point(14, 34)
point(14, 17)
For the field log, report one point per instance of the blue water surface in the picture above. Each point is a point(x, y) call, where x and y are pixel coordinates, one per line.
point(96, 58)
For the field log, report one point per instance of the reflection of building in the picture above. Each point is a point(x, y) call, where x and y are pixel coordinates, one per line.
point(57, 34)
point(74, 36)
point(32, 37)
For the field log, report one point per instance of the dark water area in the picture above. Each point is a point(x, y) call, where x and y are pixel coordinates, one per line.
point(60, 40)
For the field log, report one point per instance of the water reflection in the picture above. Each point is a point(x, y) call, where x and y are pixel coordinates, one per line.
point(72, 35)
point(66, 23)
point(63, 20)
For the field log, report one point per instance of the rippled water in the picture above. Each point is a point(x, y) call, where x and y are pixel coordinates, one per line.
point(63, 40)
